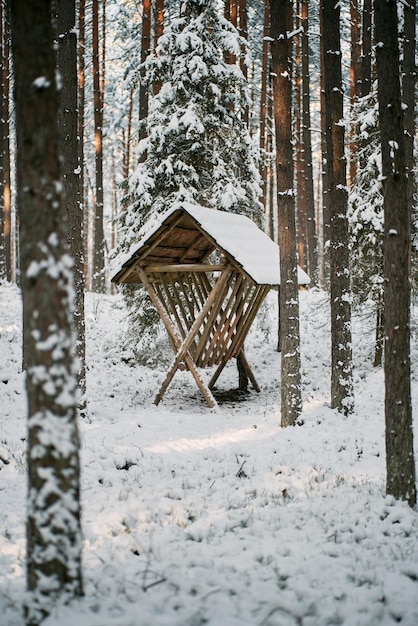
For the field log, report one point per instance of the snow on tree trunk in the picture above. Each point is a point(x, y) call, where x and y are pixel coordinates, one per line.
point(341, 347)
point(281, 49)
point(53, 518)
point(400, 466)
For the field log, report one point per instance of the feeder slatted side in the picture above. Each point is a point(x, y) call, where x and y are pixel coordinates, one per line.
point(247, 319)
point(183, 353)
point(206, 356)
point(210, 329)
point(225, 340)
point(236, 347)
point(185, 299)
point(195, 306)
point(188, 306)
point(224, 330)
point(201, 286)
point(166, 298)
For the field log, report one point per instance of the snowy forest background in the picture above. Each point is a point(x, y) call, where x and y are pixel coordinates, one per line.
point(175, 514)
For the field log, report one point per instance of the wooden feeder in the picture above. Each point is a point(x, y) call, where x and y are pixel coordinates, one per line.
point(207, 273)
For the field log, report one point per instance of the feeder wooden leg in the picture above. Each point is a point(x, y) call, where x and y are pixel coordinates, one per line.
point(206, 393)
point(217, 374)
point(248, 370)
point(245, 366)
point(242, 375)
point(182, 348)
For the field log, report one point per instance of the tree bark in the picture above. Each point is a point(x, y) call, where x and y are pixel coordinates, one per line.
point(355, 77)
point(263, 102)
point(409, 74)
point(400, 466)
point(312, 239)
point(341, 350)
point(243, 30)
point(7, 230)
point(301, 208)
point(53, 517)
point(127, 135)
point(3, 275)
point(143, 88)
point(80, 121)
point(326, 217)
point(71, 166)
point(281, 25)
point(366, 65)
point(158, 31)
point(99, 282)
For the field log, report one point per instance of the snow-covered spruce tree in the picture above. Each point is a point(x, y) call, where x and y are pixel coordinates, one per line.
point(198, 149)
point(365, 214)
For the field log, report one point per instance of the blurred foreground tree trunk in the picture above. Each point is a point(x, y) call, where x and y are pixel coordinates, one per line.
point(53, 517)
point(400, 466)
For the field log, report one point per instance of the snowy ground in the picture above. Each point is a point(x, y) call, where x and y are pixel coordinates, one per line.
point(192, 516)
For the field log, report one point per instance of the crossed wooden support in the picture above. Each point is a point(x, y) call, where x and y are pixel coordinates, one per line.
point(207, 311)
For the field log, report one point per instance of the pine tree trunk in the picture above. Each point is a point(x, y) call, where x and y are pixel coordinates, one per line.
point(380, 334)
point(400, 467)
point(233, 17)
point(326, 215)
point(263, 103)
point(302, 217)
point(341, 351)
point(99, 282)
point(80, 121)
point(366, 65)
point(243, 30)
point(53, 517)
point(7, 230)
point(126, 159)
point(409, 71)
point(312, 239)
point(143, 89)
point(3, 275)
point(71, 166)
point(355, 77)
point(158, 31)
point(281, 24)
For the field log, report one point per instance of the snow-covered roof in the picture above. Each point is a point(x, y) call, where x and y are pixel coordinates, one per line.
point(235, 236)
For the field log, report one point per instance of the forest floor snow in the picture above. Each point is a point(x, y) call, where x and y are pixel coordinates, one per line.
point(193, 516)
